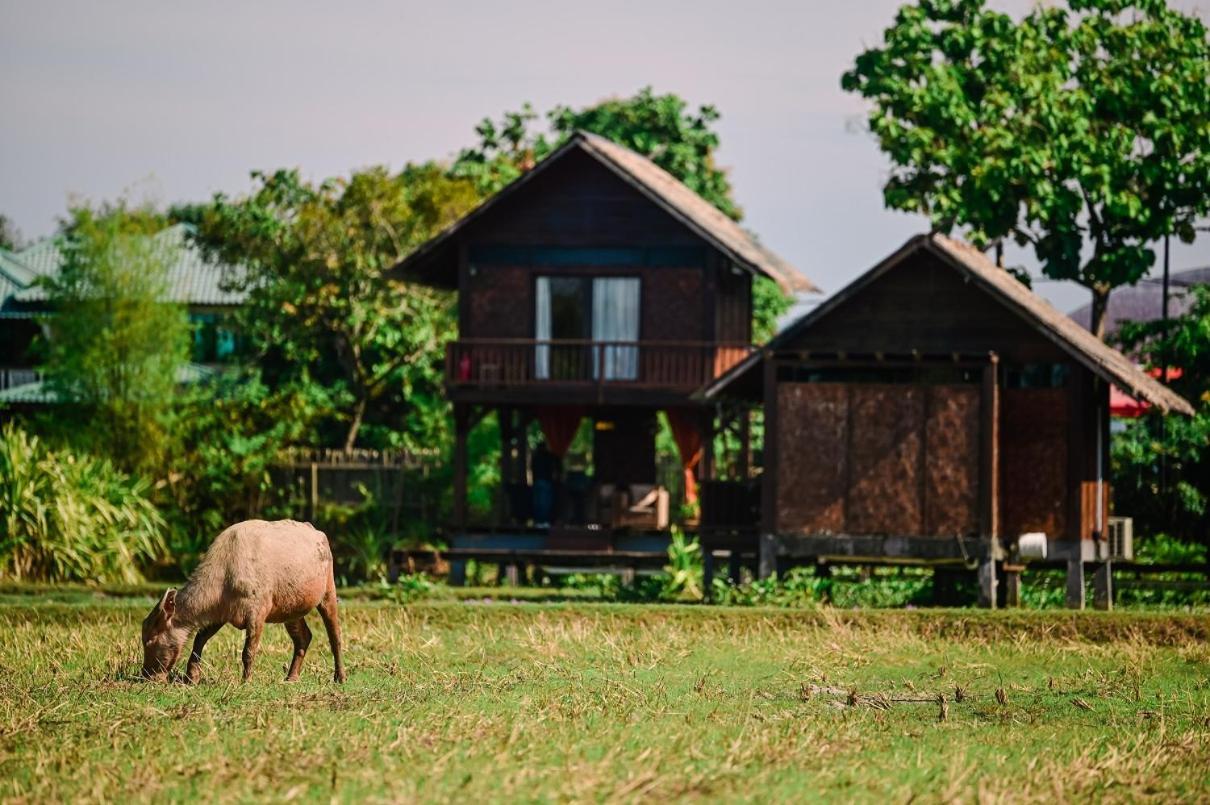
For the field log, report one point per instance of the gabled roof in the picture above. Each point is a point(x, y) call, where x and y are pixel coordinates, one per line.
point(1085, 348)
point(14, 276)
point(659, 186)
point(192, 280)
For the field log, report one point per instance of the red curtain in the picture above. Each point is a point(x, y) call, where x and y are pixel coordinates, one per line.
point(688, 437)
point(559, 426)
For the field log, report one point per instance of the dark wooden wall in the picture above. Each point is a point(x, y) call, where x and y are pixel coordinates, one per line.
point(1034, 450)
point(580, 204)
point(878, 458)
point(925, 305)
point(734, 317)
point(1047, 434)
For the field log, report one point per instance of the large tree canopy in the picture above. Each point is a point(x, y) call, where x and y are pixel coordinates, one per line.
point(660, 127)
point(312, 259)
point(1080, 131)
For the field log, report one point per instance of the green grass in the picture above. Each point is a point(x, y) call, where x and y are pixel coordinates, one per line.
point(453, 700)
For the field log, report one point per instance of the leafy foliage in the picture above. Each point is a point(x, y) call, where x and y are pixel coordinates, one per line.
point(68, 517)
point(320, 305)
point(1162, 464)
point(10, 236)
point(230, 431)
point(660, 127)
point(116, 346)
point(1079, 131)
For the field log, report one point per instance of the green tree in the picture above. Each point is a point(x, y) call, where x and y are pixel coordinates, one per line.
point(10, 236)
point(1162, 464)
point(115, 346)
point(1079, 131)
point(660, 127)
point(319, 308)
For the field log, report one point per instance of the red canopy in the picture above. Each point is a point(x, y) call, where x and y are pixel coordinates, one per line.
point(1123, 405)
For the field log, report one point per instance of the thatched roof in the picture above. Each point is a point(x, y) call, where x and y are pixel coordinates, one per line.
point(661, 187)
point(1085, 348)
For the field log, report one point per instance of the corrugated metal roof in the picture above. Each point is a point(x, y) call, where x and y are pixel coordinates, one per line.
point(661, 187)
point(1145, 301)
point(43, 257)
point(10, 272)
point(15, 276)
point(1087, 349)
point(37, 393)
point(192, 279)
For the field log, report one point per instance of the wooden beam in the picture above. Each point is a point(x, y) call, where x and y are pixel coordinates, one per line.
point(1075, 583)
point(989, 464)
point(767, 565)
point(1102, 585)
point(1080, 465)
point(768, 500)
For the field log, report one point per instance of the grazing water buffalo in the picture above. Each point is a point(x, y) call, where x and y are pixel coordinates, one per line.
point(256, 572)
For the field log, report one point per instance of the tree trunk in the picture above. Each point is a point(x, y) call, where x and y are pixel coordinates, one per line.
point(355, 425)
point(1100, 307)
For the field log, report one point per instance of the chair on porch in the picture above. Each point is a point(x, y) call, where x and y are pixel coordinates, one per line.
point(642, 507)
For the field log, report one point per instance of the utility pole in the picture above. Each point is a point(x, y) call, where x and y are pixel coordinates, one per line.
point(1164, 375)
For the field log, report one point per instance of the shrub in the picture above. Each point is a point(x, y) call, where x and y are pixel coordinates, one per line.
point(65, 517)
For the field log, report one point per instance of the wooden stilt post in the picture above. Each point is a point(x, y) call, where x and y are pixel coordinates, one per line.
point(989, 483)
point(1012, 585)
point(707, 572)
point(735, 566)
point(767, 565)
point(1102, 585)
point(987, 582)
point(1075, 583)
point(768, 556)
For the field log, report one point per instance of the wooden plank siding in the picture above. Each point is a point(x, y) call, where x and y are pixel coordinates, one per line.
point(579, 202)
point(927, 307)
point(878, 458)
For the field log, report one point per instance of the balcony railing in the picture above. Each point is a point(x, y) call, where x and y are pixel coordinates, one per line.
point(10, 377)
point(500, 363)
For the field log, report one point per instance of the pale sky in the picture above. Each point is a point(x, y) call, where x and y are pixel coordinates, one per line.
point(173, 101)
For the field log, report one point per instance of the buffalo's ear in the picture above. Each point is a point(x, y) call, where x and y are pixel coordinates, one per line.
point(168, 604)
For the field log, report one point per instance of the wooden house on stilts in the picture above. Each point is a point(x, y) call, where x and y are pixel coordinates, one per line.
point(934, 411)
point(596, 286)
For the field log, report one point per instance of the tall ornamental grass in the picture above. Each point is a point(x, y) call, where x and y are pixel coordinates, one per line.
point(67, 517)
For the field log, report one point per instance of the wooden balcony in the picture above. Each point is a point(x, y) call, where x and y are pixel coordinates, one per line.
point(598, 371)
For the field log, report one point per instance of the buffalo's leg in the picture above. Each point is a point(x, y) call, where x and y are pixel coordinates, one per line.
point(301, 635)
point(194, 671)
point(331, 619)
point(251, 646)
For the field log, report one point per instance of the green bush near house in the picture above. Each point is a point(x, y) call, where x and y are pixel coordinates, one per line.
point(69, 517)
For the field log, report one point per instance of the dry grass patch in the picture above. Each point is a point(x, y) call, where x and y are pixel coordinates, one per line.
point(452, 701)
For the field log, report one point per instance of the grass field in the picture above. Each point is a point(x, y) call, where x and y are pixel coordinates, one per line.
point(453, 700)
